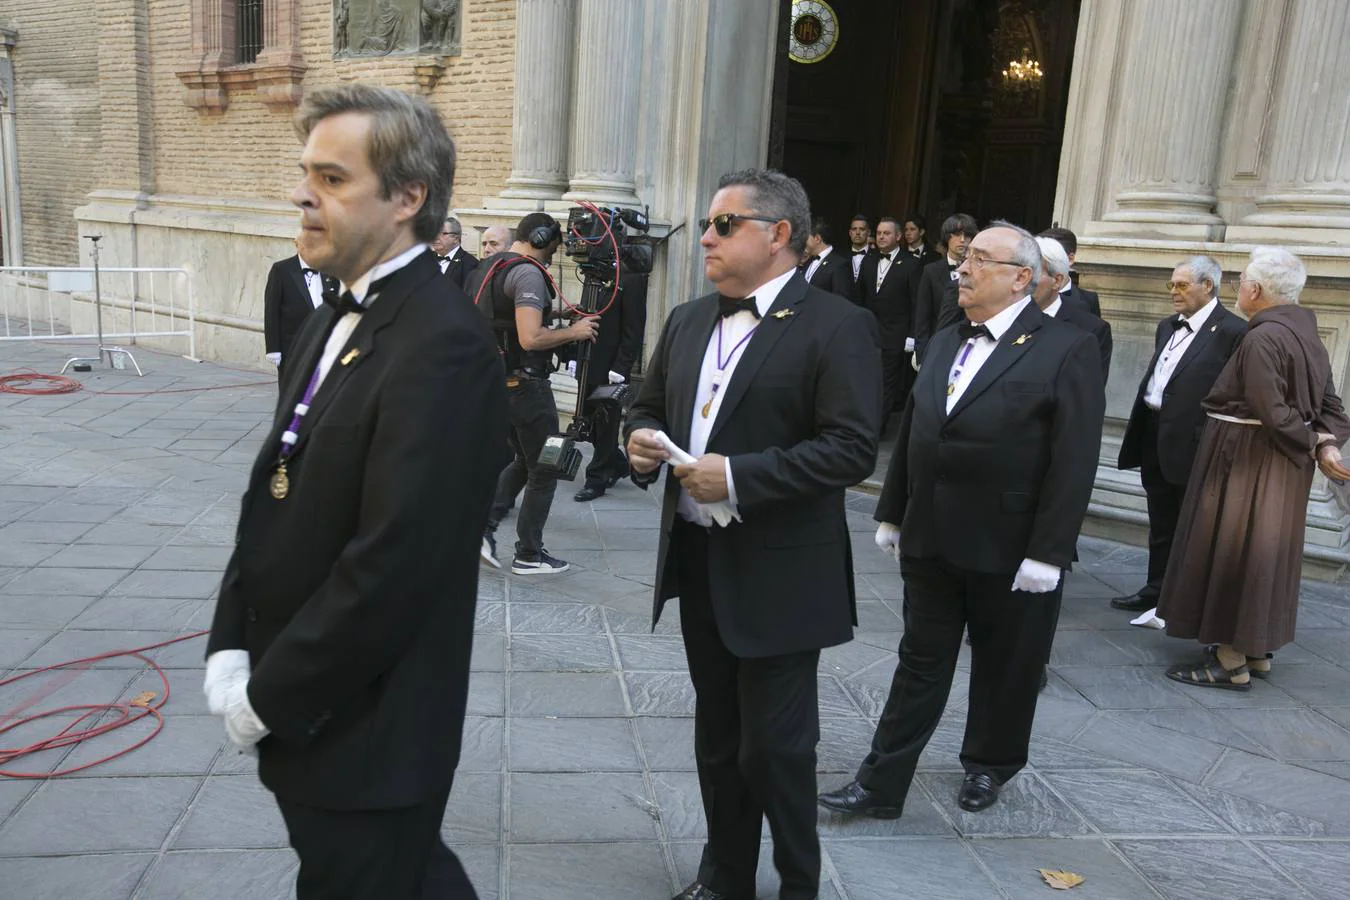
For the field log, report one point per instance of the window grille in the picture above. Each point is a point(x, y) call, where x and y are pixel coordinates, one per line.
point(249, 29)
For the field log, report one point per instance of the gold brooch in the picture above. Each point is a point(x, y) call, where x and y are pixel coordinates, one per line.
point(351, 355)
point(783, 314)
point(1021, 340)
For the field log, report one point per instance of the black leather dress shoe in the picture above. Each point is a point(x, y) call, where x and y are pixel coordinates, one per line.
point(854, 799)
point(589, 492)
point(699, 891)
point(978, 792)
point(1134, 603)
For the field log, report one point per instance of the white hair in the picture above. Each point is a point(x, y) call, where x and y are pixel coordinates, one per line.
point(1026, 252)
point(1204, 268)
point(1279, 272)
point(1053, 255)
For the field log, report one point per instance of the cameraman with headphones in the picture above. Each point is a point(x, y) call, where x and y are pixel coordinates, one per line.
point(513, 290)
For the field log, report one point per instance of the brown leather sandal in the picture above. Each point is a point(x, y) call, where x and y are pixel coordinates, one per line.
point(1209, 672)
point(1260, 665)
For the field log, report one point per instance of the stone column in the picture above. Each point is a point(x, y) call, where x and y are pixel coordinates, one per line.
point(9, 156)
point(1179, 59)
point(543, 106)
point(608, 90)
point(1309, 181)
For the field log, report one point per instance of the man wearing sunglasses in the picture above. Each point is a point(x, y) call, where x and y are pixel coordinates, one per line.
point(774, 387)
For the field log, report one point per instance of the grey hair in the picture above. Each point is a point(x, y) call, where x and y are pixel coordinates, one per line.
point(1026, 253)
point(408, 143)
point(1053, 255)
point(777, 195)
point(1279, 272)
point(454, 224)
point(1205, 268)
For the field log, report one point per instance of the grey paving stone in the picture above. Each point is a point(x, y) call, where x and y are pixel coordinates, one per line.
point(106, 877)
point(1282, 785)
point(572, 745)
point(1322, 868)
point(1127, 687)
point(481, 749)
point(832, 699)
point(667, 743)
point(652, 654)
point(1249, 817)
point(128, 533)
point(233, 811)
point(854, 657)
point(44, 532)
point(660, 693)
point(1014, 864)
point(920, 817)
point(489, 617)
point(630, 621)
point(222, 875)
point(1317, 685)
point(59, 511)
point(487, 694)
point(185, 691)
point(1188, 869)
point(561, 653)
point(72, 645)
point(187, 745)
point(1148, 746)
point(207, 559)
point(1206, 724)
point(114, 814)
point(873, 615)
point(482, 863)
point(143, 583)
point(16, 553)
point(121, 613)
point(14, 791)
point(569, 807)
point(1133, 803)
point(1027, 807)
point(687, 855)
point(844, 741)
point(49, 580)
point(1087, 648)
point(98, 556)
point(1329, 644)
point(1292, 734)
point(932, 867)
point(17, 644)
point(489, 653)
point(584, 871)
point(556, 618)
point(681, 804)
point(474, 813)
point(566, 694)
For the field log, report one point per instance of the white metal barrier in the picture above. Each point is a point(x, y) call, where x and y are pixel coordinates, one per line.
point(122, 303)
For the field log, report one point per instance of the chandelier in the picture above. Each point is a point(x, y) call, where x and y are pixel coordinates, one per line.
point(1024, 73)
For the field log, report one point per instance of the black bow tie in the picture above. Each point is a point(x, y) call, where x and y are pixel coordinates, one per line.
point(862, 252)
point(729, 306)
point(969, 330)
point(806, 261)
point(309, 272)
point(443, 258)
point(1178, 324)
point(346, 302)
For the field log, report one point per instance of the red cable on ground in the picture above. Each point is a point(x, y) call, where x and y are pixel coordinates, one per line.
point(133, 711)
point(25, 383)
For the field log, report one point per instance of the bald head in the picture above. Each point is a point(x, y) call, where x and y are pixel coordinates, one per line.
point(1001, 267)
point(496, 238)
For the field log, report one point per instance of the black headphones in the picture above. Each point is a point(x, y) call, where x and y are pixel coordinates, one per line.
point(543, 235)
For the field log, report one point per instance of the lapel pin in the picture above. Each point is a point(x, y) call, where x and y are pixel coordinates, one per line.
point(783, 314)
point(1021, 340)
point(351, 355)
point(1214, 327)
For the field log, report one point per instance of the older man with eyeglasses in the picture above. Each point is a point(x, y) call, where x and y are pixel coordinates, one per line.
point(1190, 348)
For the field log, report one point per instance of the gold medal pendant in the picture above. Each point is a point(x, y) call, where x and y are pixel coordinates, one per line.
point(707, 407)
point(951, 389)
point(280, 484)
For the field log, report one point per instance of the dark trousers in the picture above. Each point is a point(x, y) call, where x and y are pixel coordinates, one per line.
point(375, 854)
point(534, 416)
point(1010, 634)
point(609, 463)
point(756, 726)
point(891, 382)
point(1164, 508)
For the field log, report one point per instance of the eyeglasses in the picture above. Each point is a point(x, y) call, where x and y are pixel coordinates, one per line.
point(1178, 287)
point(725, 221)
point(978, 261)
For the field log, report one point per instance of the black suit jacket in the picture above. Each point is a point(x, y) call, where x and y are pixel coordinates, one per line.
point(892, 303)
point(1008, 474)
point(799, 423)
point(355, 594)
point(935, 304)
point(835, 274)
point(622, 327)
point(1086, 300)
point(287, 305)
point(1098, 328)
point(1181, 420)
point(459, 268)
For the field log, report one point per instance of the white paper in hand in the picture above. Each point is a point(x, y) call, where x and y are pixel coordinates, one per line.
point(721, 511)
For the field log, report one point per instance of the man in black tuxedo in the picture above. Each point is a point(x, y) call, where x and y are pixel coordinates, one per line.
point(884, 287)
point(294, 290)
point(456, 262)
point(1190, 349)
point(617, 346)
point(983, 502)
point(915, 234)
point(1073, 294)
point(860, 245)
point(774, 387)
point(1053, 275)
point(823, 266)
point(341, 639)
point(935, 302)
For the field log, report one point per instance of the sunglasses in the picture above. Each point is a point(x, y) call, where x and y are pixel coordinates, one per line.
point(725, 221)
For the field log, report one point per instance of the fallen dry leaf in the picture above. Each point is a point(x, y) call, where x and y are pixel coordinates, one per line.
point(143, 699)
point(1060, 881)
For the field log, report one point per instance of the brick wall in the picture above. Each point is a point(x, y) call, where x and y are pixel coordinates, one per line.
point(56, 121)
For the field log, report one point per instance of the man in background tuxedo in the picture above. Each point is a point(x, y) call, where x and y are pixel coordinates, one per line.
point(884, 287)
point(774, 387)
point(1054, 273)
point(859, 239)
point(915, 234)
point(618, 344)
point(1073, 294)
point(983, 501)
point(456, 262)
point(294, 290)
point(822, 266)
point(1190, 349)
point(341, 639)
point(935, 302)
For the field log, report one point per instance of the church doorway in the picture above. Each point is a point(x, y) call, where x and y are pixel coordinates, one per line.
point(928, 106)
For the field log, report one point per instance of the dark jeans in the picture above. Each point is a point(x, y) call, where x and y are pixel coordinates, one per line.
point(1164, 508)
point(609, 462)
point(534, 416)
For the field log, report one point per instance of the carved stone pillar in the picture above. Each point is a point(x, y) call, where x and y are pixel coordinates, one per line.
point(1174, 88)
point(543, 106)
point(1309, 180)
point(608, 90)
point(11, 219)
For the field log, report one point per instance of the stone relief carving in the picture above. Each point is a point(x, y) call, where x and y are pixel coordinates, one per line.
point(383, 27)
point(440, 24)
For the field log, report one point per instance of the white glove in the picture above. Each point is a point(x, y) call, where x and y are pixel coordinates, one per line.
point(1036, 577)
point(274, 358)
point(888, 539)
point(241, 723)
point(909, 345)
point(571, 368)
point(222, 668)
point(616, 378)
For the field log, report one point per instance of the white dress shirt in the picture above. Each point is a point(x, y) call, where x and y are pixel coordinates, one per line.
point(733, 329)
point(313, 281)
point(884, 265)
point(815, 263)
point(982, 348)
point(1178, 342)
point(449, 258)
point(857, 257)
point(1053, 309)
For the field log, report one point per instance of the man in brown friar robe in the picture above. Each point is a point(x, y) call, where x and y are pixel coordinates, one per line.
point(1273, 414)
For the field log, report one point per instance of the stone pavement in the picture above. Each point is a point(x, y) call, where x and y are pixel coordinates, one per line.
point(116, 518)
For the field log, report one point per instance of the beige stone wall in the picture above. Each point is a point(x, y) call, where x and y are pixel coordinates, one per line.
point(56, 121)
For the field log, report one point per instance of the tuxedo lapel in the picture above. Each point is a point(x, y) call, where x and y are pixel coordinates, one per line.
point(686, 363)
point(1014, 344)
point(1200, 341)
point(942, 355)
point(298, 276)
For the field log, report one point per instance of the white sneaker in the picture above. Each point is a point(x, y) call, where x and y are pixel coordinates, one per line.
point(489, 551)
point(542, 564)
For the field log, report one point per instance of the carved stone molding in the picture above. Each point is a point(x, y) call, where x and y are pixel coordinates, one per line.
point(429, 74)
point(275, 75)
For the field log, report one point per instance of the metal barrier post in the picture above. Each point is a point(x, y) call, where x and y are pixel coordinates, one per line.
point(98, 318)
